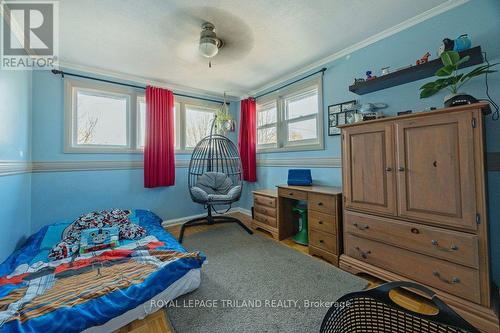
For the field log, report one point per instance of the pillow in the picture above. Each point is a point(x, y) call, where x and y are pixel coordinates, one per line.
point(96, 239)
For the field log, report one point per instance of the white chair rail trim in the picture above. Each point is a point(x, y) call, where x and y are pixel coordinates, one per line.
point(8, 168)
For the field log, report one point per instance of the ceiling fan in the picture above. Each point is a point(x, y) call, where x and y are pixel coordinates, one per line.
point(209, 43)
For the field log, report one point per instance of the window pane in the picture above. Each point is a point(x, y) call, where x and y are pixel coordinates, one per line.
point(197, 124)
point(266, 136)
point(267, 116)
point(101, 120)
point(141, 133)
point(302, 130)
point(303, 106)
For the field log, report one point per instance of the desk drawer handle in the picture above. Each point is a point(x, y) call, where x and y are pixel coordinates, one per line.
point(452, 248)
point(320, 204)
point(364, 254)
point(454, 280)
point(321, 241)
point(361, 226)
point(291, 194)
point(320, 222)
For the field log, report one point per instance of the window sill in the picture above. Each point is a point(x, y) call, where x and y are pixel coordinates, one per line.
point(291, 148)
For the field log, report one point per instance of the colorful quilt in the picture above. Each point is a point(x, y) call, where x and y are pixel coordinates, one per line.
point(72, 294)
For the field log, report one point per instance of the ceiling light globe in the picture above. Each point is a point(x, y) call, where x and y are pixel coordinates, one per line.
point(208, 48)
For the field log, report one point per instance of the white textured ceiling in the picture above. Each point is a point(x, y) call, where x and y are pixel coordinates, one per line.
point(265, 39)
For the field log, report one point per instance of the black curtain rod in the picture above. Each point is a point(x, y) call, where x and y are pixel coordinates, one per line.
point(57, 72)
point(322, 70)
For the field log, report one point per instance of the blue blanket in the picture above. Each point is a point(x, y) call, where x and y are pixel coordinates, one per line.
point(70, 295)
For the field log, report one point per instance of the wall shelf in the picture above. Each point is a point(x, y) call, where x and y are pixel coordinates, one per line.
point(413, 73)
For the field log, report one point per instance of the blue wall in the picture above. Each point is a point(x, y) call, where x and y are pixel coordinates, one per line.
point(480, 19)
point(15, 190)
point(62, 195)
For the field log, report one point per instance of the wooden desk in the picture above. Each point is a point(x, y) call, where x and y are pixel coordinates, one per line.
point(273, 213)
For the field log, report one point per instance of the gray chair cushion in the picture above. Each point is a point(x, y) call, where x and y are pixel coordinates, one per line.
point(215, 186)
point(199, 194)
point(233, 194)
point(214, 183)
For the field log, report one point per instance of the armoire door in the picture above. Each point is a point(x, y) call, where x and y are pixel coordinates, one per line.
point(436, 170)
point(368, 170)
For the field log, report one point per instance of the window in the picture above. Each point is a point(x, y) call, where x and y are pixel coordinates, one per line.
point(291, 121)
point(197, 124)
point(103, 118)
point(267, 121)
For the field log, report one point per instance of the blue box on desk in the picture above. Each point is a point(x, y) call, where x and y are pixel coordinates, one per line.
point(299, 177)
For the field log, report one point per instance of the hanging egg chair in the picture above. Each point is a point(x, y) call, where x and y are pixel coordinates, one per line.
point(214, 179)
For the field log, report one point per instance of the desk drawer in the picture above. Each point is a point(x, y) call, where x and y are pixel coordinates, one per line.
point(458, 247)
point(292, 194)
point(265, 210)
point(322, 203)
point(271, 221)
point(455, 279)
point(323, 240)
point(264, 201)
point(322, 222)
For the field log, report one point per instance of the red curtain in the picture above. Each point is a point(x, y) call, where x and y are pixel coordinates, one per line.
point(247, 139)
point(159, 159)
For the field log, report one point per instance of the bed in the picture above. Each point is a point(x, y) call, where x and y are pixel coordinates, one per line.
point(97, 291)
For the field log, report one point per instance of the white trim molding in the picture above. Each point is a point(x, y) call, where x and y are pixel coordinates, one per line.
point(9, 168)
point(181, 220)
point(444, 7)
point(63, 65)
point(302, 162)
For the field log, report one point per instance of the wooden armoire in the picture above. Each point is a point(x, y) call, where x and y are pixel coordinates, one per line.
point(415, 206)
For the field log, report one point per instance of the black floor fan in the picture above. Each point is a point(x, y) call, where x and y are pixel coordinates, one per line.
point(214, 179)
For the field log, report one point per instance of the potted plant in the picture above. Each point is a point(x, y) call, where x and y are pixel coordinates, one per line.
point(452, 81)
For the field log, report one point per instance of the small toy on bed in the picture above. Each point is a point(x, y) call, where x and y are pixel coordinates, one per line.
point(96, 239)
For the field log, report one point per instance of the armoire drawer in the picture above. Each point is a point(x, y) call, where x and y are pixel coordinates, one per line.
point(265, 201)
point(456, 279)
point(322, 222)
point(458, 247)
point(265, 210)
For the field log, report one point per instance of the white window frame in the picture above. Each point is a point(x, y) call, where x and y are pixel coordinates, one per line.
point(262, 107)
point(181, 119)
point(71, 88)
point(280, 98)
point(134, 96)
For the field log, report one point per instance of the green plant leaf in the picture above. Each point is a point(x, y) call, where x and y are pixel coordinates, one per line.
point(450, 58)
point(445, 71)
point(461, 61)
point(428, 85)
point(428, 92)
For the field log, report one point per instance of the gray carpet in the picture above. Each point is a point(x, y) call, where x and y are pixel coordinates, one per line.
point(242, 267)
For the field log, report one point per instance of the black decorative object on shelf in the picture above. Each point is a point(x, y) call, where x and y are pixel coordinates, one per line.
point(413, 73)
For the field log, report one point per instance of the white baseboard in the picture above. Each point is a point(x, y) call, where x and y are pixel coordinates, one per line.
point(181, 220)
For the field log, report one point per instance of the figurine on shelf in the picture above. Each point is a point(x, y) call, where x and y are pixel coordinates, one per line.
point(369, 76)
point(424, 59)
point(359, 80)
